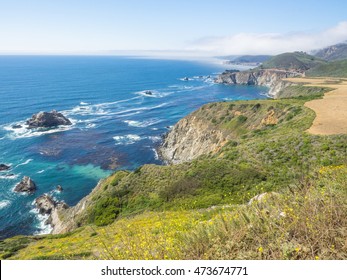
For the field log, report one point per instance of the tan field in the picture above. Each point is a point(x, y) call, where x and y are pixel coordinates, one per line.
point(331, 111)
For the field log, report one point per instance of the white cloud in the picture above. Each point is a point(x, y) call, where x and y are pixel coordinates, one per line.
point(271, 43)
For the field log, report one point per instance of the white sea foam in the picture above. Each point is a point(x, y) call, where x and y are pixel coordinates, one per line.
point(9, 176)
point(156, 156)
point(84, 103)
point(41, 171)
point(43, 228)
point(126, 139)
point(25, 162)
point(155, 138)
point(154, 93)
point(4, 203)
point(91, 125)
point(145, 123)
point(25, 132)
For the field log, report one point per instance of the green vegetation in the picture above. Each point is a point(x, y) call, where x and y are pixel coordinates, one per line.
point(303, 92)
point(331, 69)
point(198, 210)
point(296, 60)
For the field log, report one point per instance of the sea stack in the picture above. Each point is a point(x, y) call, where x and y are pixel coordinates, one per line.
point(4, 167)
point(26, 185)
point(47, 119)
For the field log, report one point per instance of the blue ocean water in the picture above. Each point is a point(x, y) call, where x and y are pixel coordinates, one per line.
point(116, 125)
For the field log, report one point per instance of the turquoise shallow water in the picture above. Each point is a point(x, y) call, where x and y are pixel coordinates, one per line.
point(116, 125)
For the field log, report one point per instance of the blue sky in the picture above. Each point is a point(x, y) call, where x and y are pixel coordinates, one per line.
point(211, 27)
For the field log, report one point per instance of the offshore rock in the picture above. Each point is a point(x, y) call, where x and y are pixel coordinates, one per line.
point(47, 119)
point(45, 204)
point(48, 206)
point(4, 167)
point(26, 185)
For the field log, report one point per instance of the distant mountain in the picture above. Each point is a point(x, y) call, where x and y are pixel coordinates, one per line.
point(332, 53)
point(246, 59)
point(298, 61)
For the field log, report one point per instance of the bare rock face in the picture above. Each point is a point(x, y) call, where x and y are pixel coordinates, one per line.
point(48, 206)
point(271, 78)
point(45, 204)
point(47, 119)
point(26, 185)
point(190, 138)
point(4, 167)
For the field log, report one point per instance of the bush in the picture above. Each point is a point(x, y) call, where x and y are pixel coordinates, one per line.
point(105, 211)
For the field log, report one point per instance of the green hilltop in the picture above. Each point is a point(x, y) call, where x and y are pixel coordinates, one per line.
point(299, 61)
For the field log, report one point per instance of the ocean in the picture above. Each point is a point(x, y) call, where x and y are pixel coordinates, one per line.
point(116, 124)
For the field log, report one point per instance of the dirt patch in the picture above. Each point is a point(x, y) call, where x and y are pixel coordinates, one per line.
point(331, 110)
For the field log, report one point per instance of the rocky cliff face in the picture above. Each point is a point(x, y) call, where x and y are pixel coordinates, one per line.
point(64, 219)
point(271, 78)
point(190, 138)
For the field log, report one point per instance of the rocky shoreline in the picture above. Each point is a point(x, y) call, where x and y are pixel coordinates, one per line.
point(271, 78)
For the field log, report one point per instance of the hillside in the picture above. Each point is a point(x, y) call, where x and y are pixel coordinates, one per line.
point(198, 209)
point(298, 61)
point(331, 69)
point(331, 53)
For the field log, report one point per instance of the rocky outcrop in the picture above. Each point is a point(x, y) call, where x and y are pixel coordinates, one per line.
point(4, 167)
point(190, 138)
point(64, 219)
point(26, 185)
point(48, 206)
point(271, 78)
point(47, 119)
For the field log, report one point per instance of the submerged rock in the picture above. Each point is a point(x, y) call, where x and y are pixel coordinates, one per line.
point(148, 92)
point(47, 119)
point(26, 185)
point(15, 126)
point(4, 167)
point(59, 188)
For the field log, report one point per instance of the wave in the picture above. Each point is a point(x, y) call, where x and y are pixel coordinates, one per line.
point(84, 103)
point(25, 162)
point(4, 204)
point(25, 132)
point(154, 93)
point(9, 176)
point(156, 155)
point(127, 139)
point(43, 227)
point(41, 171)
point(145, 123)
point(155, 138)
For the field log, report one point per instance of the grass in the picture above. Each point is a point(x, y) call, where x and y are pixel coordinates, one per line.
point(302, 92)
point(295, 60)
point(305, 221)
point(331, 69)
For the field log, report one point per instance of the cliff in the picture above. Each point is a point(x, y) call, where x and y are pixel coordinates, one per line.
point(271, 78)
point(190, 138)
point(208, 129)
point(67, 219)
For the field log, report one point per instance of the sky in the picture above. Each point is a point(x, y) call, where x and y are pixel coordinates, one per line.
point(219, 27)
